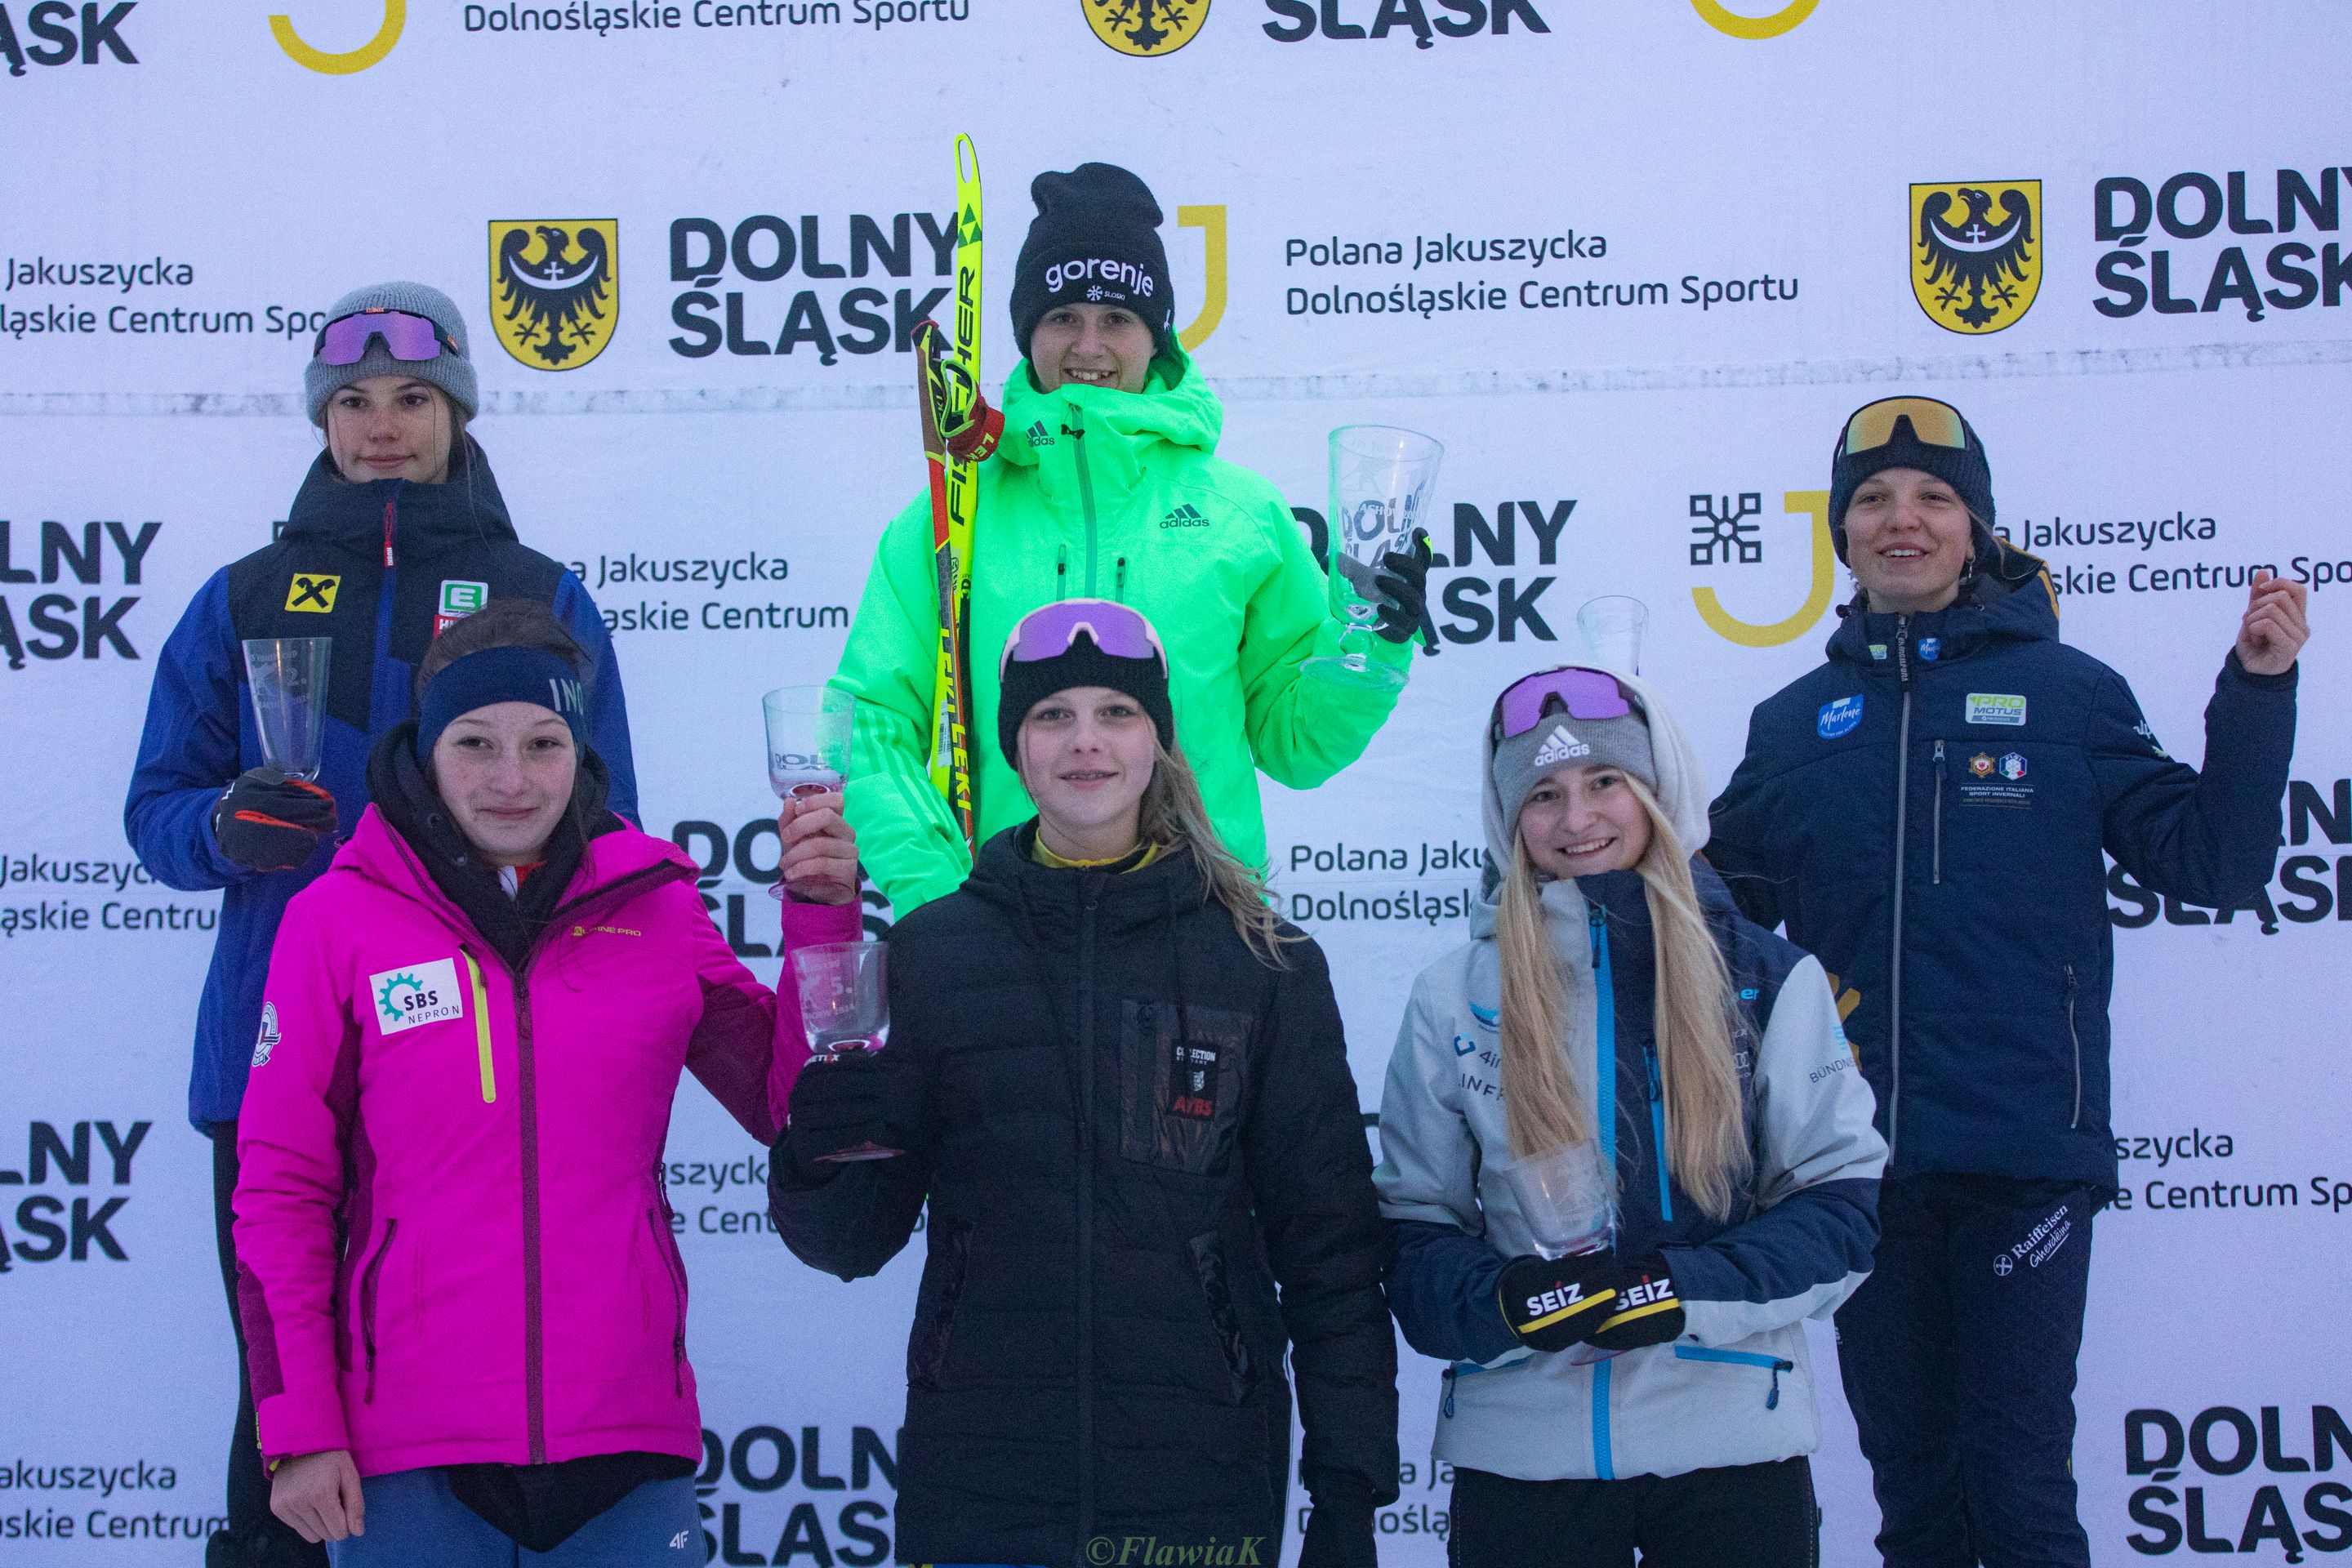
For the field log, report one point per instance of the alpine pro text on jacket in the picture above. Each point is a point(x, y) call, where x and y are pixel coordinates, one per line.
point(1097, 493)
point(371, 566)
point(489, 1139)
point(1927, 811)
point(1133, 1130)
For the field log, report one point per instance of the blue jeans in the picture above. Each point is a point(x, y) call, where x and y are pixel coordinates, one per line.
point(1957, 1356)
point(413, 1518)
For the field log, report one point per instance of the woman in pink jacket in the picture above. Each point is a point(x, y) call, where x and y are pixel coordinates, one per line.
point(456, 1271)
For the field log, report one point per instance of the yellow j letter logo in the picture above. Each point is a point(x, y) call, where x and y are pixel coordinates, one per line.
point(1747, 634)
point(1739, 26)
point(1211, 222)
point(395, 17)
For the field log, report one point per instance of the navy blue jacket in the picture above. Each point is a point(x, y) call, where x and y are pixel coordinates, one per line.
point(1926, 812)
point(388, 546)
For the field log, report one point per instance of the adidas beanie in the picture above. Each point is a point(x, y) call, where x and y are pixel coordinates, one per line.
point(1561, 741)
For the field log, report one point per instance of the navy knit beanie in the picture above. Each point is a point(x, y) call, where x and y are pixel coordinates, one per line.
point(1966, 471)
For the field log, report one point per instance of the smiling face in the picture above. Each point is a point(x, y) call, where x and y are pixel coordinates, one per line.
point(1086, 754)
point(1907, 538)
point(390, 428)
point(1091, 345)
point(505, 772)
point(1581, 821)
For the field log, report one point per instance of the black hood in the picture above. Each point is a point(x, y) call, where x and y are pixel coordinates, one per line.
point(466, 510)
point(404, 797)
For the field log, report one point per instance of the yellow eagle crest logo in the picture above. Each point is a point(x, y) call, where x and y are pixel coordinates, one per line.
point(1976, 253)
point(555, 289)
point(1146, 28)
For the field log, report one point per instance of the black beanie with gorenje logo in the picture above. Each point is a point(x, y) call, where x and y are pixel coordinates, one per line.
point(1095, 241)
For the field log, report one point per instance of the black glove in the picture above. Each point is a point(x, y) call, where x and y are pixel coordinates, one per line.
point(268, 822)
point(1403, 584)
point(1340, 1534)
point(1552, 1304)
point(1647, 1312)
point(840, 1111)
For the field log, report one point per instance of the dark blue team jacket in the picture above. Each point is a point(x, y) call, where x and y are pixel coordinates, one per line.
point(1926, 812)
point(378, 555)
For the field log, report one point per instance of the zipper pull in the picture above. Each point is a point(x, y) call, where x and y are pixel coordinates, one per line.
point(1650, 1060)
point(1061, 572)
point(1772, 1400)
point(388, 516)
point(1903, 649)
point(1119, 581)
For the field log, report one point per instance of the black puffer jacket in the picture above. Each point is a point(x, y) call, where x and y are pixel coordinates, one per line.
point(1098, 1348)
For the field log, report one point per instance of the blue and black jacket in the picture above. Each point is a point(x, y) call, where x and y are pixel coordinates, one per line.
point(365, 564)
point(1927, 811)
point(1737, 1386)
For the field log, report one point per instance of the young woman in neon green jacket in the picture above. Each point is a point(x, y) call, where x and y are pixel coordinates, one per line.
point(1106, 484)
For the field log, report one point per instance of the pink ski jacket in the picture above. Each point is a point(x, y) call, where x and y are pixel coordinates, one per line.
point(486, 1145)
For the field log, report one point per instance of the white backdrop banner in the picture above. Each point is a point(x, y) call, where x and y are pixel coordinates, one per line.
point(1633, 264)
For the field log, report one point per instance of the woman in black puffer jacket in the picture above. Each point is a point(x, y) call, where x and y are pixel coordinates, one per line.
point(1120, 1082)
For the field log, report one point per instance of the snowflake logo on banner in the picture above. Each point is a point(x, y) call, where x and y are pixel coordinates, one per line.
point(1726, 531)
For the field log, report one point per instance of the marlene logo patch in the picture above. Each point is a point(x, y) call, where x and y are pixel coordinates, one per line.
point(1838, 717)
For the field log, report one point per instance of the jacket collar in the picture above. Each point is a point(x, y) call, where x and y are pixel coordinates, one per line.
point(422, 857)
point(1048, 900)
point(2014, 601)
point(1123, 430)
point(431, 518)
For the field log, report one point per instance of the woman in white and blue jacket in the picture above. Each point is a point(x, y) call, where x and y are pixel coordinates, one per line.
point(1612, 992)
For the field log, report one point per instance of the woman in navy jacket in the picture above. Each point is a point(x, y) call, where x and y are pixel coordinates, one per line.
point(1930, 812)
point(398, 529)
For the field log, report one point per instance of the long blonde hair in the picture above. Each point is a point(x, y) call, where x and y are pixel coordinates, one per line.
point(1172, 816)
point(1706, 1144)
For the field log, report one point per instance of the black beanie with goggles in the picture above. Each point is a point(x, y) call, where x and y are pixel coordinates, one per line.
point(1095, 241)
point(1910, 433)
point(1024, 683)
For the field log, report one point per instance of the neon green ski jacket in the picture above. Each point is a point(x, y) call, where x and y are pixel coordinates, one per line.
point(1104, 494)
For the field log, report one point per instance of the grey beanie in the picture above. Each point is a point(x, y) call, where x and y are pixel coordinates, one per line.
point(1561, 741)
point(453, 374)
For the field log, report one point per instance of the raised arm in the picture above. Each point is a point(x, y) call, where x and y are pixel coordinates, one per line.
point(1302, 730)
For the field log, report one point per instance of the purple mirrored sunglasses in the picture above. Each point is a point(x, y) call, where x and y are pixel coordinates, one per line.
point(406, 336)
point(1049, 633)
point(1585, 693)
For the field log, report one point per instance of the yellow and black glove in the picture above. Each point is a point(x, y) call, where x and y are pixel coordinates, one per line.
point(1646, 1311)
point(1552, 1304)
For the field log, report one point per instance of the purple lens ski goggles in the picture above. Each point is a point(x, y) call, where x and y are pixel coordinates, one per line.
point(344, 339)
point(1585, 693)
point(1049, 633)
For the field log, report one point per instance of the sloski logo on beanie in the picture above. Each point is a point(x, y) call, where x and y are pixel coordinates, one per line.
point(1562, 746)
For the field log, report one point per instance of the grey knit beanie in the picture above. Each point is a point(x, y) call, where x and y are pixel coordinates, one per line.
point(453, 374)
point(1561, 741)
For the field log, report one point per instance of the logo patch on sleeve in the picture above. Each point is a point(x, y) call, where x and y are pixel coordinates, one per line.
point(1996, 708)
point(267, 1040)
point(420, 993)
point(1838, 717)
